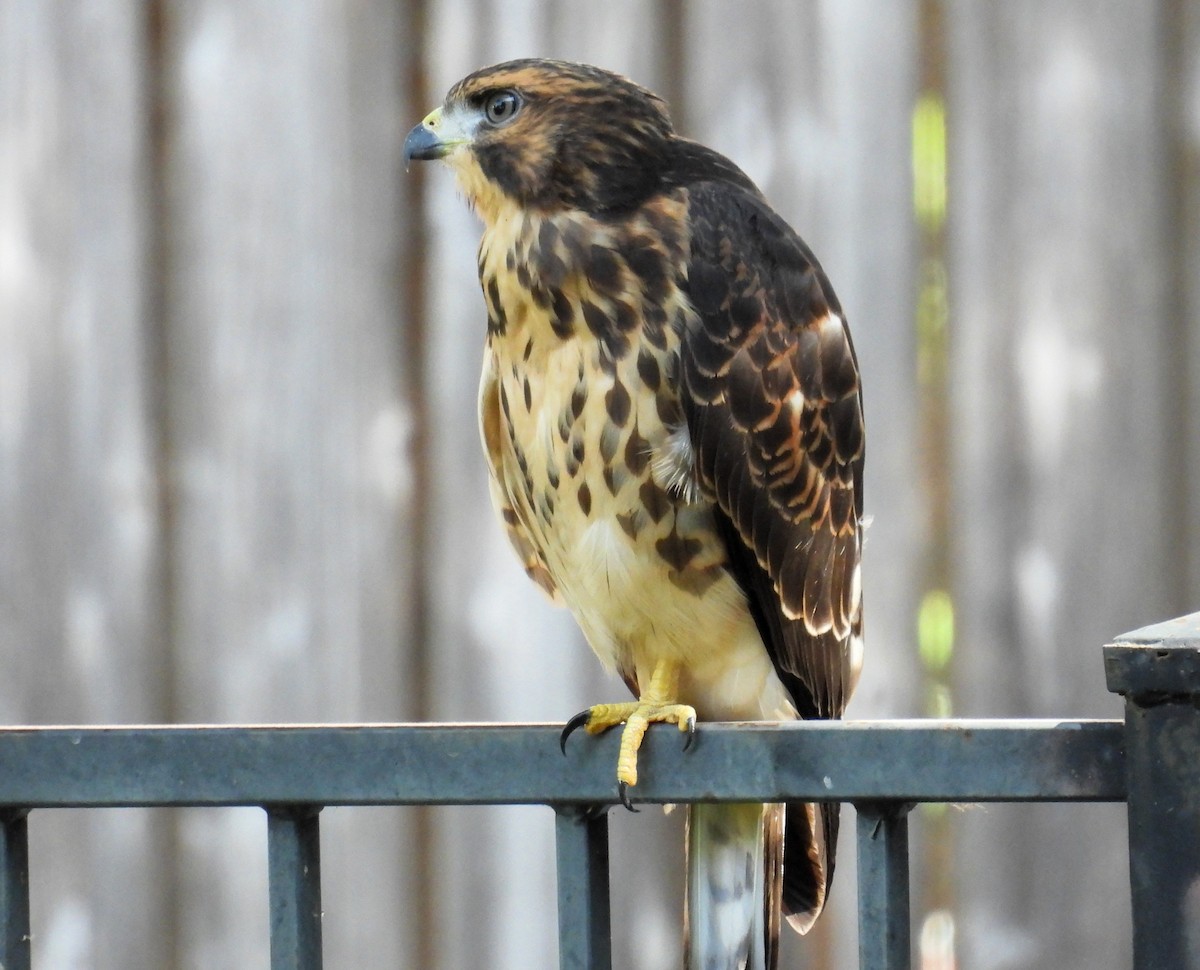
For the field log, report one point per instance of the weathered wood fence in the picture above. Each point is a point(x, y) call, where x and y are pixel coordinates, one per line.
point(239, 476)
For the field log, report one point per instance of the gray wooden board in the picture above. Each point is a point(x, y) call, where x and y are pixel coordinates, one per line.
point(1060, 333)
point(1183, 124)
point(292, 499)
point(79, 539)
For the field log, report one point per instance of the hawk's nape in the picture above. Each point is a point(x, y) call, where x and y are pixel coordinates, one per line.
point(672, 420)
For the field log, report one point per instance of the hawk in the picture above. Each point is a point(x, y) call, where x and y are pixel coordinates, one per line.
point(672, 421)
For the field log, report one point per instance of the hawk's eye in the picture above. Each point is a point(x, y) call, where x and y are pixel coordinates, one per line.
point(502, 107)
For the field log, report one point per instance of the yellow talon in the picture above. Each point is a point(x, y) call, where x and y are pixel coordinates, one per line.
point(656, 704)
point(636, 724)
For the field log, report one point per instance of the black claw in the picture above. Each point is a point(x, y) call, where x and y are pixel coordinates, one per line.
point(623, 794)
point(691, 733)
point(578, 721)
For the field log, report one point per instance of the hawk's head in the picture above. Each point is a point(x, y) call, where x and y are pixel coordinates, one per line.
point(548, 135)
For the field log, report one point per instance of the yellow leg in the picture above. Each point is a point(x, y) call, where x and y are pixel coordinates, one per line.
point(656, 704)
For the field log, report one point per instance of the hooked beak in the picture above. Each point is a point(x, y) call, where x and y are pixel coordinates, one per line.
point(424, 143)
point(435, 137)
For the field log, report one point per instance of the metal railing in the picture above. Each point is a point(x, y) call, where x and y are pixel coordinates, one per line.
point(1151, 760)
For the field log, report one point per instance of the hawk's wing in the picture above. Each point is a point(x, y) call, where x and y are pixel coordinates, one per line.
point(770, 387)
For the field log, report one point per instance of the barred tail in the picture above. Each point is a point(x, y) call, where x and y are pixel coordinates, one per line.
point(739, 887)
point(735, 868)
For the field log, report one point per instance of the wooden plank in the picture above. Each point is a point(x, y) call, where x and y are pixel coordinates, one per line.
point(80, 546)
point(1181, 29)
point(289, 426)
point(1060, 340)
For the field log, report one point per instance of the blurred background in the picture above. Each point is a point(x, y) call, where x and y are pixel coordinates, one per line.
point(240, 478)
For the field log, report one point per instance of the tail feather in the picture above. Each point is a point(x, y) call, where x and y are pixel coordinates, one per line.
point(810, 844)
point(735, 867)
point(748, 864)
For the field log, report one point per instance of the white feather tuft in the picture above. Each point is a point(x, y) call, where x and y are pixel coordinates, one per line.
point(673, 466)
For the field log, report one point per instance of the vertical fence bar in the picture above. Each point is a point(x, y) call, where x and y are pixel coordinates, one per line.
point(294, 867)
point(584, 930)
point(14, 891)
point(884, 934)
point(1158, 670)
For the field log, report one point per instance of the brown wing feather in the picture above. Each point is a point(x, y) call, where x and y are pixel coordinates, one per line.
point(771, 393)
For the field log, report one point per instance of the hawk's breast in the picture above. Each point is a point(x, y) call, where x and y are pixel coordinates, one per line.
point(582, 425)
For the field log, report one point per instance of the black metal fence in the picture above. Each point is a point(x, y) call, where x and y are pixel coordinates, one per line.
point(1150, 760)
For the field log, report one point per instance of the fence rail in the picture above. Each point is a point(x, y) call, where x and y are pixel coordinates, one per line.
point(882, 767)
point(478, 764)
